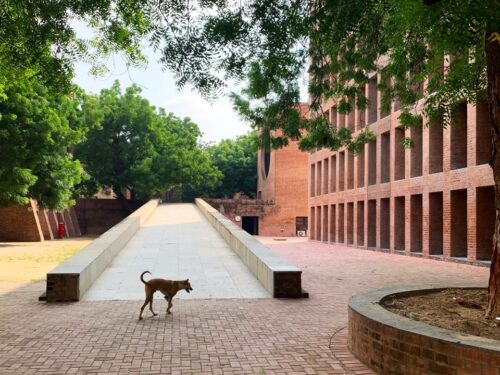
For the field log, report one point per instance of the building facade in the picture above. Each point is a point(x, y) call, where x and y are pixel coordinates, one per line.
point(282, 187)
point(435, 199)
point(283, 180)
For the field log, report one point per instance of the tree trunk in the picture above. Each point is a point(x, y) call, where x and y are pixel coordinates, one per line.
point(492, 50)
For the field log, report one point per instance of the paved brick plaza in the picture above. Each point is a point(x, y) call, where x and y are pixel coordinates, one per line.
point(218, 336)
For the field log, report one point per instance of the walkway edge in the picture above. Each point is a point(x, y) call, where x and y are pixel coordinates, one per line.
point(69, 281)
point(278, 276)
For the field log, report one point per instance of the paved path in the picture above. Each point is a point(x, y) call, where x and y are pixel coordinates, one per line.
point(233, 336)
point(177, 243)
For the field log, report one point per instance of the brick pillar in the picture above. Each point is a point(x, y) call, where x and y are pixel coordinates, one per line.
point(471, 135)
point(378, 168)
point(341, 227)
point(318, 223)
point(324, 229)
point(332, 227)
point(312, 223)
point(407, 222)
point(472, 224)
point(425, 223)
point(447, 221)
point(377, 227)
point(393, 222)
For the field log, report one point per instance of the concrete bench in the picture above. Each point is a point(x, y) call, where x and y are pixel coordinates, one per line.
point(278, 276)
point(70, 280)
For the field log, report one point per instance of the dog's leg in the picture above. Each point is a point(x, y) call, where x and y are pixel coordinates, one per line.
point(151, 306)
point(149, 299)
point(143, 306)
point(169, 299)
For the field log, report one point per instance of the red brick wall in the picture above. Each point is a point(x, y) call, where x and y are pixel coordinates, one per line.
point(43, 219)
point(20, 223)
point(29, 223)
point(393, 351)
point(96, 216)
point(287, 186)
point(231, 208)
point(444, 161)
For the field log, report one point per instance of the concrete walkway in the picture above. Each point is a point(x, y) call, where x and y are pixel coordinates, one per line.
point(177, 243)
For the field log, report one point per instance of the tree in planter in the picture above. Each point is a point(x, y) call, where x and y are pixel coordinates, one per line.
point(141, 149)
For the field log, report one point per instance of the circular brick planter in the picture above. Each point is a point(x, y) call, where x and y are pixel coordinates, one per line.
point(392, 344)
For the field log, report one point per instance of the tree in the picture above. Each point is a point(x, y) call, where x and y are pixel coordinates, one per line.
point(236, 159)
point(206, 42)
point(36, 129)
point(38, 48)
point(144, 150)
point(406, 41)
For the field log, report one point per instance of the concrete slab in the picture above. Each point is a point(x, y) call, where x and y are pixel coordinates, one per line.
point(177, 242)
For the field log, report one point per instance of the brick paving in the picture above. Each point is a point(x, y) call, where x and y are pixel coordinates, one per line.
point(234, 336)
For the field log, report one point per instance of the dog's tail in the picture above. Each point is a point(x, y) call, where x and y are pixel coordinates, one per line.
point(142, 277)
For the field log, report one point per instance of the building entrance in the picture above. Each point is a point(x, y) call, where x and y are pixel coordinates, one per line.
point(250, 224)
point(301, 226)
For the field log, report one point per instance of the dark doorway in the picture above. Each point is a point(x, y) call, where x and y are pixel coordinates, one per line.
point(250, 224)
point(301, 226)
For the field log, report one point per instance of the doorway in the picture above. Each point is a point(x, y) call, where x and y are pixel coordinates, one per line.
point(250, 224)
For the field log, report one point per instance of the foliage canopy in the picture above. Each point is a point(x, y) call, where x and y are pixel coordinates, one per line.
point(236, 159)
point(142, 149)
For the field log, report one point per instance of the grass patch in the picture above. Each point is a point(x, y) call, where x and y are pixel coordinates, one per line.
point(29, 262)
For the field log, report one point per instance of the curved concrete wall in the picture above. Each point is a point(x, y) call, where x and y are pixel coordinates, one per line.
point(278, 276)
point(70, 280)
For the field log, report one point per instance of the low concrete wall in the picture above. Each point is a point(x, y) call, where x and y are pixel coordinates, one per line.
point(392, 344)
point(70, 280)
point(279, 277)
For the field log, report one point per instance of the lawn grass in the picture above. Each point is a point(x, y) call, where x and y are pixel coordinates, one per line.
point(30, 261)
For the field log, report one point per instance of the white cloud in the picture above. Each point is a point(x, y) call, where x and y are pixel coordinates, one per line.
point(216, 120)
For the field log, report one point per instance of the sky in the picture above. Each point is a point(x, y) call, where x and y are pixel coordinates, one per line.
point(216, 120)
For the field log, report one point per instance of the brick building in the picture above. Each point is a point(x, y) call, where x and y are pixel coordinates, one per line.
point(281, 205)
point(282, 179)
point(433, 200)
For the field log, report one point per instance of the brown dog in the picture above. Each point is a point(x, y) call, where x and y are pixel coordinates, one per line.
point(168, 287)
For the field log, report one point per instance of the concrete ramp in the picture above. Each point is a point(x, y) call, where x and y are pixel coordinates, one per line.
point(177, 242)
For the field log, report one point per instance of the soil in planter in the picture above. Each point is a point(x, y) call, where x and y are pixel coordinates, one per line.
point(460, 310)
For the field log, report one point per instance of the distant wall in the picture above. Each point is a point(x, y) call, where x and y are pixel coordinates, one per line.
point(29, 223)
point(96, 216)
point(20, 223)
point(238, 206)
